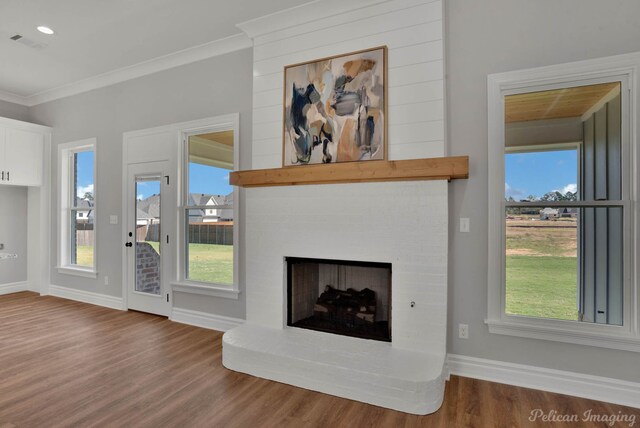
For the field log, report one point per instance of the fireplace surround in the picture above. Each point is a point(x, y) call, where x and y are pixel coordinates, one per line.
point(399, 223)
point(371, 211)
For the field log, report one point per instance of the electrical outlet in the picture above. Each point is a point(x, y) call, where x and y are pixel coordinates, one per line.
point(106, 280)
point(463, 331)
point(465, 225)
point(113, 219)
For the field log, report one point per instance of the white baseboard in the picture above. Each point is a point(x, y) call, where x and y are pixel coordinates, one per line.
point(204, 319)
point(86, 297)
point(562, 382)
point(14, 287)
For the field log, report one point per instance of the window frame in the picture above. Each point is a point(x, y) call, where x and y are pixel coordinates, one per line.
point(623, 68)
point(183, 284)
point(66, 207)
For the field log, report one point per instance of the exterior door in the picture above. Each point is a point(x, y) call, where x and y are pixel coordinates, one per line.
point(147, 237)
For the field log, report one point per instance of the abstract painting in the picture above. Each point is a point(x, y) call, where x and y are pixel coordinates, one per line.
point(335, 109)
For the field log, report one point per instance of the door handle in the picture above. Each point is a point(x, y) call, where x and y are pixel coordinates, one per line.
point(128, 244)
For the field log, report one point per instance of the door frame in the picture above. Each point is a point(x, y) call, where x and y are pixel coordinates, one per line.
point(172, 151)
point(162, 171)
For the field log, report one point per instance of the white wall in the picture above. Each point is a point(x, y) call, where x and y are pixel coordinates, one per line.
point(492, 36)
point(206, 88)
point(13, 233)
point(401, 223)
point(412, 30)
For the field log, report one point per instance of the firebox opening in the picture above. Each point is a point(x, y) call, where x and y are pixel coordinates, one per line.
point(351, 298)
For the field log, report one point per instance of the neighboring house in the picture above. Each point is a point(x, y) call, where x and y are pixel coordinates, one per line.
point(548, 214)
point(142, 218)
point(87, 214)
point(568, 213)
point(213, 214)
point(149, 208)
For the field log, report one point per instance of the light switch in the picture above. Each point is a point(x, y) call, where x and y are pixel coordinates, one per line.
point(464, 225)
point(113, 219)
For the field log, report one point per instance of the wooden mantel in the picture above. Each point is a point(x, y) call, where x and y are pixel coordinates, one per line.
point(446, 168)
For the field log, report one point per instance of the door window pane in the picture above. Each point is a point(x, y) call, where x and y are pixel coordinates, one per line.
point(148, 236)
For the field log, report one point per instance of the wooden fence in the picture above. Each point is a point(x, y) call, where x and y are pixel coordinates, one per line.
point(220, 233)
point(211, 233)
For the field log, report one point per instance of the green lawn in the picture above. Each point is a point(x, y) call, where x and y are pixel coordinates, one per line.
point(541, 269)
point(207, 263)
point(542, 286)
point(211, 263)
point(84, 256)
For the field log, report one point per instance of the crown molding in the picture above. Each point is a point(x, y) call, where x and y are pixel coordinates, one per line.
point(312, 11)
point(13, 98)
point(172, 60)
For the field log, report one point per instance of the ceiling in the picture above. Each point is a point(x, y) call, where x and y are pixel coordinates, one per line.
point(556, 104)
point(222, 137)
point(94, 37)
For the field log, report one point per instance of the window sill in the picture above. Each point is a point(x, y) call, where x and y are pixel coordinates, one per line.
point(611, 337)
point(206, 290)
point(76, 271)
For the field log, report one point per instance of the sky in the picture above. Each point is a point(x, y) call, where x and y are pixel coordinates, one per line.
point(202, 179)
point(538, 173)
point(84, 173)
point(526, 174)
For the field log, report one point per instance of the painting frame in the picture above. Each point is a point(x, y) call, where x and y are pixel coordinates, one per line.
point(384, 105)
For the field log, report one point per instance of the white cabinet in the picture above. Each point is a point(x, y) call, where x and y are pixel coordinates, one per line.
point(21, 153)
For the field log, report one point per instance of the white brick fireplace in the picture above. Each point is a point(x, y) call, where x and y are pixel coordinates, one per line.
point(402, 223)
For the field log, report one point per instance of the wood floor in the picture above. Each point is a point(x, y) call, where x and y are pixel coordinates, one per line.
point(64, 363)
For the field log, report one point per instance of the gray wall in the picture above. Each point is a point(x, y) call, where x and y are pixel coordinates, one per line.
point(13, 111)
point(211, 87)
point(13, 233)
point(494, 36)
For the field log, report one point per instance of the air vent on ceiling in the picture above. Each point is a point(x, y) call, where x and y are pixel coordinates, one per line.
point(28, 42)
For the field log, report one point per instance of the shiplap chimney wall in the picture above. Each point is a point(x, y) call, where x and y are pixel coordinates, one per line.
point(412, 30)
point(403, 223)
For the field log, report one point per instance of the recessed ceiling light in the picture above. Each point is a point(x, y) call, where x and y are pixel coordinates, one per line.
point(45, 30)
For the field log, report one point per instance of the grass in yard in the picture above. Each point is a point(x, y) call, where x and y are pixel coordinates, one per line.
point(84, 256)
point(541, 268)
point(542, 287)
point(542, 238)
point(211, 263)
point(207, 262)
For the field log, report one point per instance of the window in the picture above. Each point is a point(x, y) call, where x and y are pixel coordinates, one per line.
point(209, 211)
point(77, 229)
point(561, 210)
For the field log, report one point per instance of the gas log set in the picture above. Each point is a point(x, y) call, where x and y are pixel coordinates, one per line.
point(347, 312)
point(347, 307)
